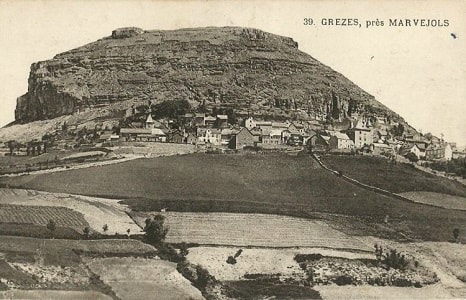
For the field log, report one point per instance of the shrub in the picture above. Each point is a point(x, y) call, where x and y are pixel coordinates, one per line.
point(86, 231)
point(231, 260)
point(238, 253)
point(395, 260)
point(456, 234)
point(203, 278)
point(412, 157)
point(300, 258)
point(168, 252)
point(184, 251)
point(344, 280)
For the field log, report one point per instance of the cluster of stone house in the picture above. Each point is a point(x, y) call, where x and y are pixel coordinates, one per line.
point(215, 131)
point(362, 136)
point(428, 150)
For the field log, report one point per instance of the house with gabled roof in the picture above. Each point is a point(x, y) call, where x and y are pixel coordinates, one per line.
point(441, 151)
point(382, 149)
point(242, 138)
point(199, 119)
point(361, 134)
point(340, 141)
point(222, 121)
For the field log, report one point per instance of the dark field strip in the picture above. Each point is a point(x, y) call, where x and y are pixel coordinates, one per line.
point(272, 183)
point(396, 178)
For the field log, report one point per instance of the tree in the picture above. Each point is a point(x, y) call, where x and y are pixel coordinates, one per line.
point(11, 146)
point(456, 234)
point(412, 157)
point(398, 130)
point(155, 231)
point(86, 231)
point(171, 109)
point(51, 226)
point(184, 249)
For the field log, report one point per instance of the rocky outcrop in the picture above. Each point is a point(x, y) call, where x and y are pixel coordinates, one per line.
point(246, 69)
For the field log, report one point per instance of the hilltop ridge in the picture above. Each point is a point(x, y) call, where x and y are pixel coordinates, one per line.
point(246, 69)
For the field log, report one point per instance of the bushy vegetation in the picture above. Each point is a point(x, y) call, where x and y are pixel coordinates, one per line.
point(396, 260)
point(299, 258)
point(170, 109)
point(197, 275)
point(155, 230)
point(455, 166)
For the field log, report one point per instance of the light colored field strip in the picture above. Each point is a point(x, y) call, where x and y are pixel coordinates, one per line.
point(256, 230)
point(53, 294)
point(77, 166)
point(437, 199)
point(258, 261)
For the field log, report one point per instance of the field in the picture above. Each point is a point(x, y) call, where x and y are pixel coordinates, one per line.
point(451, 255)
point(41, 265)
point(136, 278)
point(254, 183)
point(375, 293)
point(64, 252)
point(437, 199)
point(152, 149)
point(255, 230)
point(52, 294)
point(40, 215)
point(249, 289)
point(396, 178)
point(96, 211)
point(257, 261)
point(271, 184)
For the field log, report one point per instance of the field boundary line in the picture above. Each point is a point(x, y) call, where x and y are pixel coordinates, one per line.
point(361, 251)
point(369, 187)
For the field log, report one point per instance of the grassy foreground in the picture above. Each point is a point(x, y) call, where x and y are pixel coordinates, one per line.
point(272, 183)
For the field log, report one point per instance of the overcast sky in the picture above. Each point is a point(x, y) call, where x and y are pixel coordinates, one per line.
point(419, 72)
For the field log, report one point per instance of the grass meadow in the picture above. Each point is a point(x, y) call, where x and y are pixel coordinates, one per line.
point(262, 183)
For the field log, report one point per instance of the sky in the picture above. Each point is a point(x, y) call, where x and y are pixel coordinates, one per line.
point(419, 72)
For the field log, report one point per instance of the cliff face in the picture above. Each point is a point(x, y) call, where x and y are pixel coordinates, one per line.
point(247, 69)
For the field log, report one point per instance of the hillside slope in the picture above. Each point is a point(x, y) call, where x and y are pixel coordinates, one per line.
point(241, 68)
point(275, 183)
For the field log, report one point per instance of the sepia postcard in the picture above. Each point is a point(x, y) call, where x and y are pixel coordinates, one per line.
point(232, 149)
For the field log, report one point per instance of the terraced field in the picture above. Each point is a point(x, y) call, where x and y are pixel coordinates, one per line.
point(256, 230)
point(40, 215)
point(96, 211)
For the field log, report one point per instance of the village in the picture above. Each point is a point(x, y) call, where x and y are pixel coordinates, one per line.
point(215, 132)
